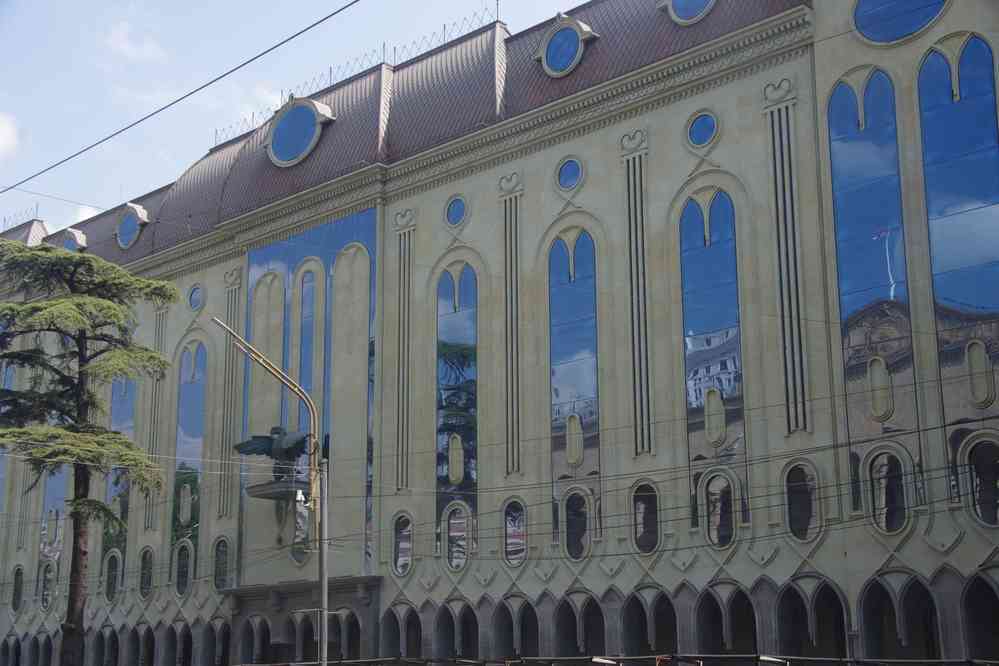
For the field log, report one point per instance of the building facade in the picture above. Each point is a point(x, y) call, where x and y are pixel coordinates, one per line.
point(665, 326)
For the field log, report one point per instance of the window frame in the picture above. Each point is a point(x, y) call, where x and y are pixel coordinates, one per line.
point(152, 572)
point(706, 477)
point(816, 525)
point(445, 534)
point(590, 534)
point(106, 577)
point(527, 533)
point(907, 475)
point(395, 543)
point(642, 483)
point(220, 541)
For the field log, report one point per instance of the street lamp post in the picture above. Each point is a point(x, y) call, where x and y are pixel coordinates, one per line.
point(318, 471)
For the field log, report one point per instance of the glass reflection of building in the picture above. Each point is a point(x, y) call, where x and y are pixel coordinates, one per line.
point(122, 420)
point(457, 395)
point(189, 452)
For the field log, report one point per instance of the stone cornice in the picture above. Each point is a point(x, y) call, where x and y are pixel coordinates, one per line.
point(734, 56)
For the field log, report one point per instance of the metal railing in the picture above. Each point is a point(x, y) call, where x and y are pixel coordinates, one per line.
point(657, 660)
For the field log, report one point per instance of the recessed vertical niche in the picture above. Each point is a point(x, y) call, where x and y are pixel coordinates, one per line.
point(981, 377)
point(879, 381)
point(714, 416)
point(574, 440)
point(456, 459)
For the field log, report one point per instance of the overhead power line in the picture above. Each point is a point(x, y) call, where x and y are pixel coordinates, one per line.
point(53, 197)
point(180, 99)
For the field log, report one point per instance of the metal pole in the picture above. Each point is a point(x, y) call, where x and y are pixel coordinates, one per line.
point(317, 472)
point(324, 592)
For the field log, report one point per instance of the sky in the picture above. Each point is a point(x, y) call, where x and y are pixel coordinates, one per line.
point(75, 71)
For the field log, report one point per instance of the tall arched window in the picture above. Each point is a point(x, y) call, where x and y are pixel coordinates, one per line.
point(17, 593)
point(221, 564)
point(887, 492)
point(191, 403)
point(720, 507)
point(182, 575)
point(961, 167)
point(712, 336)
point(306, 349)
point(53, 523)
point(457, 538)
point(111, 573)
point(800, 502)
point(457, 393)
point(47, 582)
point(514, 533)
point(572, 330)
point(122, 413)
point(983, 465)
point(576, 526)
point(403, 546)
point(146, 573)
point(645, 514)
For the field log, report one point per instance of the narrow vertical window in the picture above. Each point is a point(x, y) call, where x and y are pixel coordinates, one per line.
point(457, 396)
point(221, 564)
point(403, 555)
point(983, 462)
point(306, 351)
point(576, 526)
point(720, 510)
point(514, 533)
point(17, 594)
point(457, 538)
point(122, 413)
point(190, 450)
point(572, 329)
point(111, 578)
point(146, 573)
point(961, 166)
point(47, 582)
point(646, 518)
point(887, 493)
point(800, 502)
point(183, 573)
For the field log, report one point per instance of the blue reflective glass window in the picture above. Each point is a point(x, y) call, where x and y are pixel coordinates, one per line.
point(569, 174)
point(891, 20)
point(128, 229)
point(562, 50)
point(53, 523)
point(69, 243)
point(195, 299)
point(702, 130)
point(189, 444)
point(710, 286)
point(572, 327)
point(961, 164)
point(457, 395)
point(455, 212)
point(122, 420)
point(293, 134)
point(867, 197)
point(688, 10)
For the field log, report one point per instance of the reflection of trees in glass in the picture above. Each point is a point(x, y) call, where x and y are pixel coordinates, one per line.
point(646, 518)
point(720, 521)
point(575, 526)
point(457, 538)
point(515, 533)
point(983, 462)
point(800, 502)
point(887, 492)
point(403, 545)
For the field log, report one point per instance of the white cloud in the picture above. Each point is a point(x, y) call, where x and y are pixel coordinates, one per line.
point(122, 42)
point(85, 213)
point(8, 136)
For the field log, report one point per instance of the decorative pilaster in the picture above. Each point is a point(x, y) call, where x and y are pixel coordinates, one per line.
point(230, 396)
point(634, 154)
point(155, 413)
point(405, 223)
point(511, 193)
point(779, 101)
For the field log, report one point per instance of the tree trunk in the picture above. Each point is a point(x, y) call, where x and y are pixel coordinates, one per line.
point(73, 648)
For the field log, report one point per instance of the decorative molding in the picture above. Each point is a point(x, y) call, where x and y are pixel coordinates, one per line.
point(233, 278)
point(405, 219)
point(511, 304)
point(783, 91)
point(510, 184)
point(641, 367)
point(634, 141)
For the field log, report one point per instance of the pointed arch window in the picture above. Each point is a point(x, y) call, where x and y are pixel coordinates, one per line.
point(221, 564)
point(514, 533)
point(457, 538)
point(17, 593)
point(111, 574)
point(191, 403)
point(146, 573)
point(719, 504)
point(645, 514)
point(403, 546)
point(887, 492)
point(457, 397)
point(801, 505)
point(983, 464)
point(576, 526)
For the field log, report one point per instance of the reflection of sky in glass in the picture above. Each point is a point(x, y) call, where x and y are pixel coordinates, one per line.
point(870, 241)
point(128, 229)
point(54, 513)
point(323, 243)
point(689, 9)
point(457, 384)
point(561, 50)
point(710, 285)
point(891, 20)
point(123, 395)
point(572, 298)
point(191, 408)
point(307, 333)
point(293, 133)
point(961, 158)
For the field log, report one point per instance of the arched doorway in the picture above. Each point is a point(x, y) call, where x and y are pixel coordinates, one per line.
point(469, 634)
point(389, 638)
point(593, 629)
point(664, 618)
point(97, 654)
point(414, 635)
point(111, 651)
point(529, 638)
point(334, 641)
point(981, 606)
point(792, 614)
point(247, 638)
point(503, 633)
point(635, 627)
point(710, 636)
point(208, 646)
point(742, 621)
point(148, 649)
point(444, 633)
point(33, 650)
point(224, 640)
point(46, 657)
point(310, 647)
point(565, 631)
point(352, 650)
point(920, 614)
point(830, 624)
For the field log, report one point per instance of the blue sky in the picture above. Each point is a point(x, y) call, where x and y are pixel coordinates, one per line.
point(75, 71)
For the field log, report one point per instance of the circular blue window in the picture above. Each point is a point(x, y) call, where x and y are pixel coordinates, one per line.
point(689, 11)
point(455, 211)
point(128, 230)
point(563, 51)
point(570, 173)
point(294, 134)
point(196, 297)
point(702, 130)
point(891, 20)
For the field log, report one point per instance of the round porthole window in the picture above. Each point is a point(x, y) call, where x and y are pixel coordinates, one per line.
point(686, 12)
point(702, 130)
point(133, 219)
point(196, 297)
point(455, 211)
point(569, 174)
point(295, 131)
point(562, 48)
